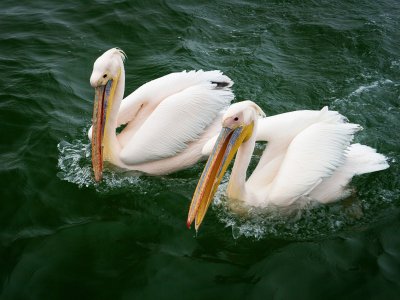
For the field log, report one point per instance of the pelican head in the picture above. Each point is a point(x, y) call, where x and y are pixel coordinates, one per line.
point(237, 127)
point(104, 79)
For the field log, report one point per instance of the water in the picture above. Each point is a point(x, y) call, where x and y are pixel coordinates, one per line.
point(62, 236)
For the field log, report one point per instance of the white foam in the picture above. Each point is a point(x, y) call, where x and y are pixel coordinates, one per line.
point(75, 167)
point(373, 85)
point(395, 63)
point(72, 162)
point(311, 221)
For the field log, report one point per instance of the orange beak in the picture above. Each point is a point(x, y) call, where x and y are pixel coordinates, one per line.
point(101, 105)
point(224, 151)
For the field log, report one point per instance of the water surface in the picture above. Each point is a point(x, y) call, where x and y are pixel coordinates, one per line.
point(64, 237)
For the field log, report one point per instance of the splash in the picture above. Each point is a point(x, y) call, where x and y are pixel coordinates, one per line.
point(373, 85)
point(310, 221)
point(74, 163)
point(75, 167)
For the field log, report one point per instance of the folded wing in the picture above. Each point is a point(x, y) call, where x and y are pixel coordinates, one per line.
point(178, 120)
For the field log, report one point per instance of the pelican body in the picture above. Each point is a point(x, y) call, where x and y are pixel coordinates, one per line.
point(168, 120)
point(309, 155)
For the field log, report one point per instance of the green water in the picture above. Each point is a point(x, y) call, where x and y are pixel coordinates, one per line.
point(63, 237)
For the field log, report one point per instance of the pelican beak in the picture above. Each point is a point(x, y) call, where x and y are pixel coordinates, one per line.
point(102, 105)
point(226, 146)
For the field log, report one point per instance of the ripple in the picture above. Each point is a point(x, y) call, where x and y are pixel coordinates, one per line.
point(311, 221)
point(75, 166)
point(373, 85)
point(74, 163)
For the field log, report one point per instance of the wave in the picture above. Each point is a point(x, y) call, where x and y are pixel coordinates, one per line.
point(310, 221)
point(373, 85)
point(314, 221)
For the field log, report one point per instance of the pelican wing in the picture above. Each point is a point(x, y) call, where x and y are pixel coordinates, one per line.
point(298, 157)
point(176, 122)
point(160, 88)
point(313, 155)
point(360, 159)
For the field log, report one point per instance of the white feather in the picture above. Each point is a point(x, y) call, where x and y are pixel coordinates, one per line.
point(313, 155)
point(177, 121)
point(360, 159)
point(158, 89)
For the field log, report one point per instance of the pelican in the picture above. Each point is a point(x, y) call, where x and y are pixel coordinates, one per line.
point(168, 120)
point(309, 155)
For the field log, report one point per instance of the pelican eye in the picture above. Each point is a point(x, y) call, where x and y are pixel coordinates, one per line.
point(236, 118)
point(105, 75)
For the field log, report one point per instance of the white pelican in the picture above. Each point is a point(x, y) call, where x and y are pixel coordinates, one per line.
point(308, 156)
point(168, 119)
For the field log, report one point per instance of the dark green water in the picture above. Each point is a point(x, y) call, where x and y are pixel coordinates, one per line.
point(62, 237)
